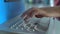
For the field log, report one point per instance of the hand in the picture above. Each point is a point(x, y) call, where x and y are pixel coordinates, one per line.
point(39, 13)
point(33, 12)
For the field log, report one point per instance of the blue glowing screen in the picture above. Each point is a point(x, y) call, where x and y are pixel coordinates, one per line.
point(9, 10)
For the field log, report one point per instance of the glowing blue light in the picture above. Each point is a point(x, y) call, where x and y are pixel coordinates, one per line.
point(9, 10)
point(2, 12)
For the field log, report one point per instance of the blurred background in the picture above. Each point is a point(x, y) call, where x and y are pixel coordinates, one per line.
point(10, 9)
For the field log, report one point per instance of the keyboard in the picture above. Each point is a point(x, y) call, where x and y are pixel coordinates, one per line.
point(33, 26)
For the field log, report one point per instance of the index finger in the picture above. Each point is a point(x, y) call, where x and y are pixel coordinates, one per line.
point(30, 12)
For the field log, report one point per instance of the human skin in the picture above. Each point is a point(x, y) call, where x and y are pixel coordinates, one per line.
point(39, 13)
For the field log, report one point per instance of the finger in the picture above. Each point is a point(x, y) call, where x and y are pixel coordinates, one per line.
point(29, 13)
point(26, 13)
point(26, 18)
point(39, 16)
point(33, 12)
